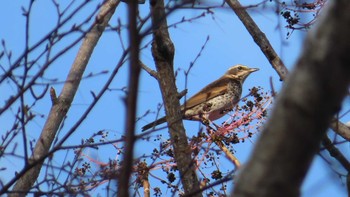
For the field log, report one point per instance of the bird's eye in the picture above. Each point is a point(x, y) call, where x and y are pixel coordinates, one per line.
point(240, 67)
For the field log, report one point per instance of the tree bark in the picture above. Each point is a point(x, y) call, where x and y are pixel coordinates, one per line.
point(311, 96)
point(163, 54)
point(62, 104)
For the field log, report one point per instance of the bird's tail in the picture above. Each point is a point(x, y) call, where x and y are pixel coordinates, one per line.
point(153, 124)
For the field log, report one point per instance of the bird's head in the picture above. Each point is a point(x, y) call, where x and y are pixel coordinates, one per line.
point(240, 72)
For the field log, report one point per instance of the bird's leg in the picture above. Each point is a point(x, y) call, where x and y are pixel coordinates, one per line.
point(205, 121)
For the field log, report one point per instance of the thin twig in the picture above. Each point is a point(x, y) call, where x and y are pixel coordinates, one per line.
point(153, 73)
point(335, 153)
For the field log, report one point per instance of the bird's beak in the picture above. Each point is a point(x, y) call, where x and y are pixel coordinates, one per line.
point(253, 70)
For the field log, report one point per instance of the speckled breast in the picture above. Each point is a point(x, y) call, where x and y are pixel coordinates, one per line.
point(218, 106)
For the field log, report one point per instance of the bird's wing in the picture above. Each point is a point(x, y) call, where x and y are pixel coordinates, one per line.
point(212, 90)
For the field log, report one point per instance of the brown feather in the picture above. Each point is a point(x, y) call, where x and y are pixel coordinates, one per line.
point(212, 90)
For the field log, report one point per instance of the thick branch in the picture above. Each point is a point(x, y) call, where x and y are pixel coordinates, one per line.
point(311, 96)
point(163, 54)
point(61, 107)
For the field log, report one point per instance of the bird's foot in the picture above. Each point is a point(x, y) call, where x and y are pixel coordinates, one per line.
point(205, 121)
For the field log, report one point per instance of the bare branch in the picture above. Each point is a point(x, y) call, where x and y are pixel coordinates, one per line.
point(163, 54)
point(335, 153)
point(131, 101)
point(341, 129)
point(149, 70)
point(60, 109)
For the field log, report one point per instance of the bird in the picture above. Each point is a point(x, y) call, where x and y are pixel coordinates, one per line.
point(214, 100)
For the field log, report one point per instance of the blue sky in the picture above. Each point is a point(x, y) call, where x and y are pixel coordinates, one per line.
point(229, 44)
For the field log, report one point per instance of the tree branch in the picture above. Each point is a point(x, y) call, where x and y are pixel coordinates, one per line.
point(163, 54)
point(335, 153)
point(149, 70)
point(61, 107)
point(134, 74)
point(341, 129)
